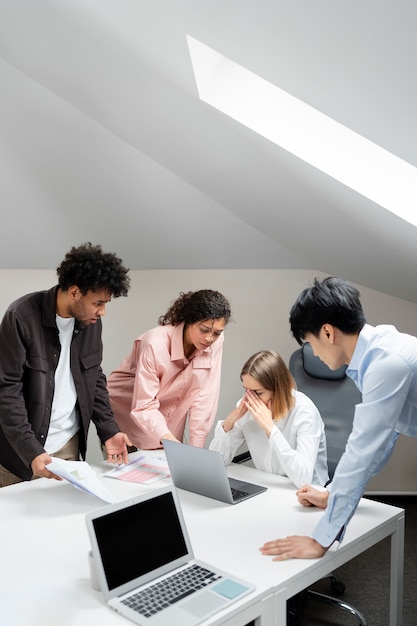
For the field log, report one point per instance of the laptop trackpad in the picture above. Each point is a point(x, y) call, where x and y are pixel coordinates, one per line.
point(203, 604)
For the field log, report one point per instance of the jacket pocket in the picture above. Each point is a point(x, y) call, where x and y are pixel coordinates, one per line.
point(89, 361)
point(89, 369)
point(37, 380)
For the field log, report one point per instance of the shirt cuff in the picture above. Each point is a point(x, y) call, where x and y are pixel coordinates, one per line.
point(326, 535)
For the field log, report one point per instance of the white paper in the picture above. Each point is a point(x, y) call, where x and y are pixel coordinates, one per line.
point(143, 469)
point(81, 475)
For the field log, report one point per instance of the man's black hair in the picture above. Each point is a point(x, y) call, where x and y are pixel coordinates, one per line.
point(91, 269)
point(329, 301)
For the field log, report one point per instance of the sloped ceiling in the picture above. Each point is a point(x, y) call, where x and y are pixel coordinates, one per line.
point(103, 137)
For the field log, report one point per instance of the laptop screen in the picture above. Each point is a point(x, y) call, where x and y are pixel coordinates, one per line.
point(139, 539)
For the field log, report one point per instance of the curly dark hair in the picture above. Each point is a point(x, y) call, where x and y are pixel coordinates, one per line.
point(197, 306)
point(91, 269)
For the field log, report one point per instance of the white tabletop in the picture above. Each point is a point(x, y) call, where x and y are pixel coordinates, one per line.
point(44, 575)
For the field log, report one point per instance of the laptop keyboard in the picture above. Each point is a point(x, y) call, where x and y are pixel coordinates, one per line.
point(160, 595)
point(238, 494)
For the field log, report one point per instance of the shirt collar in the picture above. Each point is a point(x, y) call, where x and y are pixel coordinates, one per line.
point(364, 338)
point(177, 343)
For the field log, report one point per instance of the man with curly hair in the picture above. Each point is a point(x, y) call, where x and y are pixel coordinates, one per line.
point(51, 382)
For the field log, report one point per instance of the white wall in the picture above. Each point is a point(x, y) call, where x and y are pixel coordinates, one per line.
point(260, 301)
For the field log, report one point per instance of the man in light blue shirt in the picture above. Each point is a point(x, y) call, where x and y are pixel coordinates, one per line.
point(382, 362)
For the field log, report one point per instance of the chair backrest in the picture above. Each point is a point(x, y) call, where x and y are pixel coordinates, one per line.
point(334, 394)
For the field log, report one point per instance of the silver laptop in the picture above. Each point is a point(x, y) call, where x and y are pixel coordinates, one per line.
point(146, 567)
point(204, 471)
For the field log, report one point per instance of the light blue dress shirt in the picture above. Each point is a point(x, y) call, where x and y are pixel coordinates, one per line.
point(384, 368)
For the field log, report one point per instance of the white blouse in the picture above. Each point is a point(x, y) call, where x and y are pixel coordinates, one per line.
point(296, 447)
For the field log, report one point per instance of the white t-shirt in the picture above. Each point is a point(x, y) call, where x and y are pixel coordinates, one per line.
point(64, 419)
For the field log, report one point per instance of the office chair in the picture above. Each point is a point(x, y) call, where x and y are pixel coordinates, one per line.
point(335, 395)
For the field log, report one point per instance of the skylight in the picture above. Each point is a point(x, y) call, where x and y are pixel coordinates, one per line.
point(307, 133)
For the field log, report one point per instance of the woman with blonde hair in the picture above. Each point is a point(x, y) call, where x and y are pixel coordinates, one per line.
point(281, 426)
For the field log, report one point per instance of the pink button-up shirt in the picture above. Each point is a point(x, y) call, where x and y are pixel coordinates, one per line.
point(156, 387)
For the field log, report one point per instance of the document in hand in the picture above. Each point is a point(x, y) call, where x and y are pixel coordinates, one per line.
point(81, 476)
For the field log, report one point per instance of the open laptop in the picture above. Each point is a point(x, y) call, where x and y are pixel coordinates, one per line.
point(204, 472)
point(138, 546)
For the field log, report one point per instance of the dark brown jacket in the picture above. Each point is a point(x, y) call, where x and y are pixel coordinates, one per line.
point(29, 354)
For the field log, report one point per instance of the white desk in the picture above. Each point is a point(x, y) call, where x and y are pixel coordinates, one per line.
point(44, 547)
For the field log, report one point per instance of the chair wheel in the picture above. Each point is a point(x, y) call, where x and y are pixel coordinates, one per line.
point(338, 587)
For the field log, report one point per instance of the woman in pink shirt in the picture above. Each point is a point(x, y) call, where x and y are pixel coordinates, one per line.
point(173, 372)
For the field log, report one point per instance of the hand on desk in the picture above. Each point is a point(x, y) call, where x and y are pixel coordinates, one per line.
point(310, 496)
point(297, 546)
point(39, 468)
point(294, 547)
